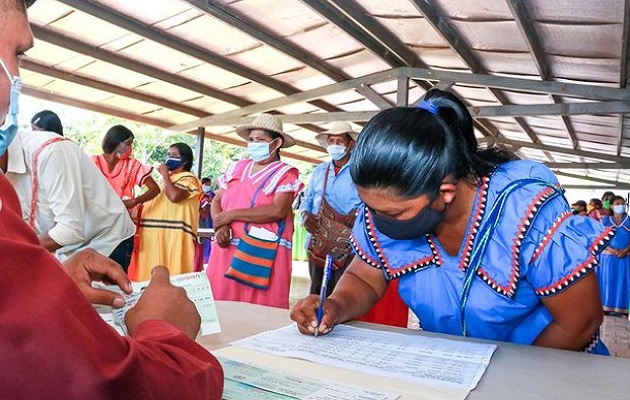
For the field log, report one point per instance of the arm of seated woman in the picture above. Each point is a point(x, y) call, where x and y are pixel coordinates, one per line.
point(577, 313)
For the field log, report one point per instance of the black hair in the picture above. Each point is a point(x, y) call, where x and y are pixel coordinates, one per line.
point(186, 154)
point(114, 136)
point(612, 200)
point(206, 180)
point(411, 150)
point(608, 195)
point(580, 203)
point(47, 120)
point(598, 203)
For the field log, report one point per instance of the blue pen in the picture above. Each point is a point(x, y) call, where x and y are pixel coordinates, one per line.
point(323, 290)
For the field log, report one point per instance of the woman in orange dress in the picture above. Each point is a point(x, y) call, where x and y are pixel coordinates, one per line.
point(125, 174)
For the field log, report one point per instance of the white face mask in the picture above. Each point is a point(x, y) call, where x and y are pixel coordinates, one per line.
point(259, 151)
point(9, 129)
point(619, 209)
point(336, 151)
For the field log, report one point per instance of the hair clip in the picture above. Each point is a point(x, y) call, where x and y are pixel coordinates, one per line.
point(429, 106)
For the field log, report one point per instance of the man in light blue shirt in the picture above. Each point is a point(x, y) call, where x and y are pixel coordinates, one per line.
point(328, 207)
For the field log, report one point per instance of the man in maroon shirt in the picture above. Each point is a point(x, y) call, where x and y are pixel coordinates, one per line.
point(53, 345)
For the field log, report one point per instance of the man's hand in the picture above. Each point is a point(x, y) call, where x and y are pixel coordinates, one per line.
point(88, 266)
point(222, 236)
point(311, 223)
point(165, 302)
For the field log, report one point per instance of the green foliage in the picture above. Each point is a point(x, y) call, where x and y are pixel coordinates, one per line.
point(217, 156)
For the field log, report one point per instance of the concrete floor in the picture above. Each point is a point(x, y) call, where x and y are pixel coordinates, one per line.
point(615, 330)
point(616, 334)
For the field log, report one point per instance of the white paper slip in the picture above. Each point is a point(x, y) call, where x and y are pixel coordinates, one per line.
point(205, 232)
point(247, 381)
point(197, 288)
point(262, 233)
point(426, 360)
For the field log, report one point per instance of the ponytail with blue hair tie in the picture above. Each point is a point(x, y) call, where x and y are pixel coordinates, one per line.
point(429, 106)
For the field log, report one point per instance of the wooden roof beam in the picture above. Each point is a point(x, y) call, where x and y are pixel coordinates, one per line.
point(266, 36)
point(525, 25)
point(79, 79)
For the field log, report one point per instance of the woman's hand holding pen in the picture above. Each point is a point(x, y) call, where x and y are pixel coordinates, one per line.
point(305, 315)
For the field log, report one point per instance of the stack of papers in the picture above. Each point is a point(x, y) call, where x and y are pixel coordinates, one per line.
point(247, 381)
point(414, 358)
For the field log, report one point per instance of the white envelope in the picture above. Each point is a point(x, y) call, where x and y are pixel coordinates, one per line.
point(262, 233)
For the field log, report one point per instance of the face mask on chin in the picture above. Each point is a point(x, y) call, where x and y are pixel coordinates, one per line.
point(8, 130)
point(414, 228)
point(126, 153)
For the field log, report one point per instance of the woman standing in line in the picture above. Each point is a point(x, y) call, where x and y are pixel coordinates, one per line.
point(169, 222)
point(126, 174)
point(257, 192)
point(614, 269)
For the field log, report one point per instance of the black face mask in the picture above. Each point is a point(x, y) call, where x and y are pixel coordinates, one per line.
point(414, 228)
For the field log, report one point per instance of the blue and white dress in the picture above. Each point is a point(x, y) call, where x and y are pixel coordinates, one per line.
point(614, 272)
point(522, 244)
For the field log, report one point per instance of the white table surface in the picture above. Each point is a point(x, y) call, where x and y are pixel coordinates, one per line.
point(515, 371)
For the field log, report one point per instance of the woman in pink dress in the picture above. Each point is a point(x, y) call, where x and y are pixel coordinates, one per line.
point(277, 185)
point(125, 174)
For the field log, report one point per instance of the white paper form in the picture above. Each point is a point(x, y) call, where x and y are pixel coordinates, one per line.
point(415, 358)
point(244, 380)
point(197, 288)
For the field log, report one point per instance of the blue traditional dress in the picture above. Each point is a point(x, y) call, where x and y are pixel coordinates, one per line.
point(522, 244)
point(614, 272)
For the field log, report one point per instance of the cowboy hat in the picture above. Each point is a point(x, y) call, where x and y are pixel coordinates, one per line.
point(336, 128)
point(267, 122)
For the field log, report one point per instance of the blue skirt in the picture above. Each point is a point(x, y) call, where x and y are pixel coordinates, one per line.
point(613, 274)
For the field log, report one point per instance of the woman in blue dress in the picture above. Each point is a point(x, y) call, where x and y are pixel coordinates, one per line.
point(614, 269)
point(483, 245)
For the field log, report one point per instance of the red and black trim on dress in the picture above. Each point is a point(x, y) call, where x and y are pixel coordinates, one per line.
point(575, 274)
point(366, 258)
point(592, 343)
point(383, 261)
point(509, 289)
point(547, 238)
point(482, 197)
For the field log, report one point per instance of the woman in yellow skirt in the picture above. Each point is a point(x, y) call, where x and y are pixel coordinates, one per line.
point(169, 222)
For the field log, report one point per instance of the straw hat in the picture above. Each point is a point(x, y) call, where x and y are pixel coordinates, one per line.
point(336, 128)
point(267, 122)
